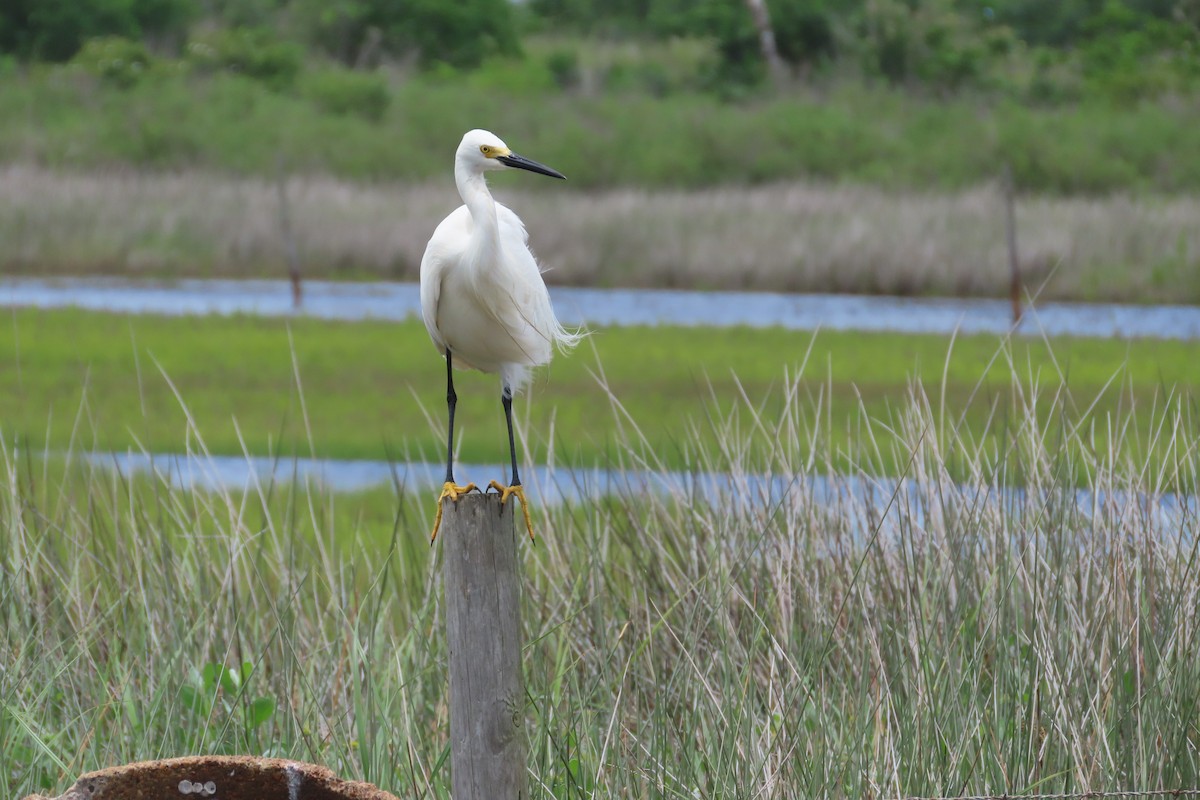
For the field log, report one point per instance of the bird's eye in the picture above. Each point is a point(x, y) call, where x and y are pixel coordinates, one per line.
point(485, 149)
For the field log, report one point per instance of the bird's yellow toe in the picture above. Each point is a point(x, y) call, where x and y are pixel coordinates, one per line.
point(517, 491)
point(453, 491)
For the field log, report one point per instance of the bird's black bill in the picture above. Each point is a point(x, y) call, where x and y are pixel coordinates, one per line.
point(521, 162)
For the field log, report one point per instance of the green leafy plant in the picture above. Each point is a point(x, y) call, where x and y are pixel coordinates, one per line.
point(569, 778)
point(217, 689)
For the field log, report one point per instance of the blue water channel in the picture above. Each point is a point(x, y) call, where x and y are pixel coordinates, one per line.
point(621, 307)
point(866, 499)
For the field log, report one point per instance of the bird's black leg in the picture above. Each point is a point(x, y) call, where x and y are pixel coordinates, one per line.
point(513, 488)
point(451, 402)
point(506, 401)
point(450, 488)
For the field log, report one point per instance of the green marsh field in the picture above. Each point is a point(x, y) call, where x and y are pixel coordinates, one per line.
point(377, 390)
point(960, 638)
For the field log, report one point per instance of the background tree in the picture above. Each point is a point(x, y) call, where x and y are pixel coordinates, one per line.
point(54, 30)
point(766, 39)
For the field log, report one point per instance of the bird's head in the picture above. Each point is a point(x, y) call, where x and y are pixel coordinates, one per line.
point(483, 150)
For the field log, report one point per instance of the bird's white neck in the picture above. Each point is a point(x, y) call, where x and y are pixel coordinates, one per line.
point(473, 189)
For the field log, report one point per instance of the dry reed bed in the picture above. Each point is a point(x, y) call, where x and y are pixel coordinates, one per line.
point(680, 645)
point(795, 237)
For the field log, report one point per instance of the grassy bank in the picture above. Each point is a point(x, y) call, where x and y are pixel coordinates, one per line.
point(376, 390)
point(677, 646)
point(784, 237)
point(170, 119)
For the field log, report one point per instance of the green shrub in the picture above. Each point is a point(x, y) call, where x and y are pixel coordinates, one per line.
point(254, 52)
point(647, 77)
point(114, 59)
point(521, 76)
point(347, 93)
point(659, 68)
point(564, 66)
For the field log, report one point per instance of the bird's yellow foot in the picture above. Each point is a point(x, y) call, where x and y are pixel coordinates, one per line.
point(519, 492)
point(453, 491)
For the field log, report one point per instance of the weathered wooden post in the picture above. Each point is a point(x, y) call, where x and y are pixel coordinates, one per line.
point(483, 626)
point(1010, 230)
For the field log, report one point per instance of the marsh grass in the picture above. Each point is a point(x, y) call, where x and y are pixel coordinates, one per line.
point(1000, 633)
point(789, 237)
point(374, 390)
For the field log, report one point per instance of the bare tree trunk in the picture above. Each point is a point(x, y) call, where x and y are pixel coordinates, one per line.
point(766, 40)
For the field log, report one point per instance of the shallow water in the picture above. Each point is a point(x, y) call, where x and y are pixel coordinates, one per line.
point(867, 501)
point(620, 307)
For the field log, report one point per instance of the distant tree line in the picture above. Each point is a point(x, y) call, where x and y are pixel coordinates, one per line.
point(55, 30)
point(944, 43)
point(461, 33)
point(1129, 46)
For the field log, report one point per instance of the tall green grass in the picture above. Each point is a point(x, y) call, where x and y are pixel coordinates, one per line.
point(962, 638)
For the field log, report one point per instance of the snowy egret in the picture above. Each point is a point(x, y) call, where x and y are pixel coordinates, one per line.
point(483, 299)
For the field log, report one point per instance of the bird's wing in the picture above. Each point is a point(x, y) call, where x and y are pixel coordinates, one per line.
point(526, 314)
point(445, 248)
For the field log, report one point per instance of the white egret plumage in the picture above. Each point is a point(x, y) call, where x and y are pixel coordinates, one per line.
point(483, 299)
